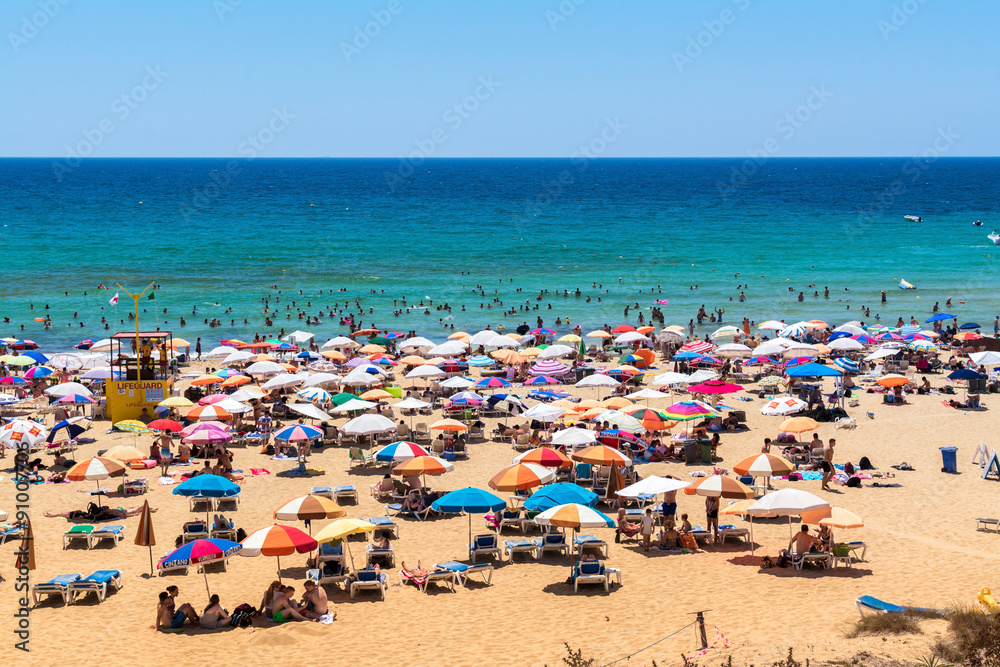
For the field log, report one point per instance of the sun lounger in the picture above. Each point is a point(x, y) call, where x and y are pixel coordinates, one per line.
point(97, 583)
point(135, 486)
point(510, 519)
point(115, 533)
point(819, 558)
point(700, 533)
point(81, 532)
point(589, 572)
point(447, 576)
point(385, 523)
point(854, 547)
point(54, 586)
point(325, 491)
point(194, 530)
point(397, 510)
point(383, 489)
point(10, 532)
point(357, 456)
point(329, 552)
point(328, 573)
point(463, 570)
point(551, 542)
point(872, 605)
point(484, 545)
point(345, 492)
point(226, 532)
point(734, 532)
point(511, 547)
point(590, 541)
point(368, 579)
point(201, 504)
point(387, 556)
point(224, 503)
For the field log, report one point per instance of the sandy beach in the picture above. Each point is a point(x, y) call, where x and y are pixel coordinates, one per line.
point(922, 549)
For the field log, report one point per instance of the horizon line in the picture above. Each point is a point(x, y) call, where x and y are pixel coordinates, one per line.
point(497, 157)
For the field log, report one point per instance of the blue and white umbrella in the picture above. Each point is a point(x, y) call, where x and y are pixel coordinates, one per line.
point(481, 360)
point(315, 395)
point(848, 365)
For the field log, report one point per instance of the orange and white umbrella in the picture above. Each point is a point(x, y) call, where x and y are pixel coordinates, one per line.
point(573, 515)
point(209, 413)
point(764, 465)
point(277, 540)
point(544, 456)
point(307, 508)
point(719, 486)
point(423, 465)
point(448, 425)
point(521, 476)
point(206, 380)
point(96, 469)
point(602, 455)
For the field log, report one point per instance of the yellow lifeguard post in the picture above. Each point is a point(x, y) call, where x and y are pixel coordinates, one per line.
point(143, 382)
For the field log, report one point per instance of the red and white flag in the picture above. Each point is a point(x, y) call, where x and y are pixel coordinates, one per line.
point(114, 300)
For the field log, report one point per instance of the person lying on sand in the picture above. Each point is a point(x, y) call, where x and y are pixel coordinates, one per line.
point(111, 512)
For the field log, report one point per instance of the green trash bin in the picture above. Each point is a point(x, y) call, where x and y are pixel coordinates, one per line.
point(706, 453)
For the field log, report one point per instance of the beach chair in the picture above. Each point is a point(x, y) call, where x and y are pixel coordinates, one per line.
point(699, 533)
point(421, 433)
point(583, 474)
point(484, 545)
point(332, 572)
point(510, 519)
point(855, 546)
point(228, 503)
point(397, 510)
point(822, 559)
point(358, 457)
point(876, 373)
point(984, 524)
point(383, 489)
point(551, 542)
point(329, 553)
point(446, 576)
point(114, 533)
point(97, 583)
point(368, 579)
point(194, 530)
point(590, 542)
point(523, 443)
point(135, 486)
point(589, 572)
point(476, 432)
point(385, 523)
point(867, 604)
point(81, 532)
point(201, 504)
point(11, 532)
point(846, 422)
point(387, 556)
point(226, 531)
point(54, 586)
point(325, 491)
point(346, 492)
point(461, 449)
point(463, 570)
point(511, 547)
point(730, 530)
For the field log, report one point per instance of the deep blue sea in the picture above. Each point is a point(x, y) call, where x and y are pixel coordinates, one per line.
point(227, 231)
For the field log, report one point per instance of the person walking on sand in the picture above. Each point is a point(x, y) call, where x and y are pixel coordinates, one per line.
point(712, 516)
point(827, 464)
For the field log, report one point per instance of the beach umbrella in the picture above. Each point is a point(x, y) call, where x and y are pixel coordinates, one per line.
point(719, 486)
point(340, 529)
point(200, 552)
point(987, 358)
point(369, 424)
point(725, 332)
point(278, 541)
point(309, 410)
point(95, 469)
point(601, 455)
point(165, 425)
point(835, 517)
point(922, 346)
point(733, 350)
point(556, 351)
point(770, 381)
point(521, 476)
point(575, 516)
point(492, 383)
point(892, 381)
point(426, 371)
point(787, 502)
point(209, 413)
point(38, 372)
point(208, 437)
point(783, 405)
point(845, 345)
point(544, 456)
point(571, 437)
point(652, 486)
point(71, 427)
point(315, 395)
point(175, 402)
point(423, 465)
point(562, 493)
point(124, 453)
point(689, 411)
point(298, 433)
point(544, 413)
point(26, 549)
point(197, 427)
point(450, 425)
point(354, 405)
point(205, 380)
point(598, 380)
point(619, 420)
point(212, 399)
point(74, 399)
point(714, 387)
point(22, 433)
point(471, 501)
point(309, 508)
point(68, 388)
point(144, 536)
point(764, 465)
point(400, 451)
point(798, 425)
point(939, 317)
point(848, 365)
point(760, 361)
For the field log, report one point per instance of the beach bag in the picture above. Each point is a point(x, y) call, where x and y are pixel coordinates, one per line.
point(849, 468)
point(765, 563)
point(784, 558)
point(618, 537)
point(688, 542)
point(865, 464)
point(240, 534)
point(854, 482)
point(794, 477)
point(242, 616)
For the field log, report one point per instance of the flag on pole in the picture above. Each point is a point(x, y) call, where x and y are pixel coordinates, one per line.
point(114, 300)
point(152, 295)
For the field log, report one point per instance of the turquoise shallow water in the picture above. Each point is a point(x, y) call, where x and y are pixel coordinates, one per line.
point(224, 231)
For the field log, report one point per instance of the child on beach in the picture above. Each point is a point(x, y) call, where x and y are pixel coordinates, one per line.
point(646, 527)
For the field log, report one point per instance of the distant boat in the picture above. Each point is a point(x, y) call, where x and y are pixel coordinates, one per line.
point(977, 223)
point(995, 237)
point(913, 218)
point(905, 285)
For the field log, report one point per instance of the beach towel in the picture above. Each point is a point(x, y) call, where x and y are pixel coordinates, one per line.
point(326, 619)
point(166, 480)
point(259, 471)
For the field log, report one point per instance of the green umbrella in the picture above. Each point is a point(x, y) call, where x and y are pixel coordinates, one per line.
point(379, 340)
point(583, 348)
point(341, 398)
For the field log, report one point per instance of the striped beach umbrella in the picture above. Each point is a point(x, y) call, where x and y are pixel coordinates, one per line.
point(549, 367)
point(75, 399)
point(95, 469)
point(200, 552)
point(764, 465)
point(521, 476)
point(846, 364)
point(601, 455)
point(225, 373)
point(38, 372)
point(544, 456)
point(574, 515)
point(492, 383)
point(132, 426)
point(401, 451)
point(917, 345)
point(209, 413)
point(865, 339)
point(191, 429)
point(719, 486)
point(309, 508)
point(689, 410)
point(315, 395)
point(13, 380)
point(771, 325)
point(423, 465)
point(278, 541)
point(697, 347)
point(298, 433)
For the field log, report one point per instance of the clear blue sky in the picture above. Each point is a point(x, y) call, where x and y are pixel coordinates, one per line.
point(227, 65)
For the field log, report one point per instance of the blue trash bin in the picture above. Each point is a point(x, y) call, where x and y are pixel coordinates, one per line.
point(949, 458)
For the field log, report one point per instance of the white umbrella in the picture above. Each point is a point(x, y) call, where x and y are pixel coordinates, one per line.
point(265, 368)
point(353, 405)
point(416, 342)
point(845, 344)
point(233, 407)
point(544, 413)
point(648, 394)
point(783, 405)
point(800, 350)
point(732, 350)
point(703, 374)
point(320, 379)
point(653, 485)
point(340, 341)
point(281, 381)
point(670, 378)
point(457, 382)
point(360, 378)
point(411, 403)
point(629, 337)
point(852, 329)
point(298, 337)
point(220, 352)
point(308, 410)
point(725, 332)
point(772, 347)
point(556, 351)
point(503, 341)
point(482, 338)
point(247, 394)
point(236, 356)
point(787, 502)
point(94, 360)
point(983, 358)
point(571, 437)
point(66, 360)
point(451, 348)
point(368, 424)
point(619, 420)
point(881, 353)
point(67, 388)
point(103, 345)
point(100, 373)
point(598, 380)
point(425, 372)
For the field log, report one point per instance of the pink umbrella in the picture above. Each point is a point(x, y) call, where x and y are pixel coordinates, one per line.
point(212, 398)
point(714, 387)
point(203, 426)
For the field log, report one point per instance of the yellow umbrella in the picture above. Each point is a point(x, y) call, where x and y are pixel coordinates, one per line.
point(835, 517)
point(124, 453)
point(180, 342)
point(340, 529)
point(333, 355)
point(798, 425)
point(530, 352)
point(375, 394)
point(175, 402)
point(569, 338)
point(372, 348)
point(458, 334)
point(598, 334)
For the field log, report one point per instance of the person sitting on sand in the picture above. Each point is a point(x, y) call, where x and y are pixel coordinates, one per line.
point(283, 607)
point(168, 618)
point(315, 602)
point(669, 537)
point(215, 615)
point(267, 603)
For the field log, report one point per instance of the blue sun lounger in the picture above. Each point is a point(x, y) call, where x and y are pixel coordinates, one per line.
point(98, 583)
point(872, 605)
point(54, 586)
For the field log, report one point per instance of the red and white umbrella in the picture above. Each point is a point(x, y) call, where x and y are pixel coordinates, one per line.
point(22, 432)
point(783, 405)
point(696, 346)
point(209, 413)
point(277, 540)
point(403, 450)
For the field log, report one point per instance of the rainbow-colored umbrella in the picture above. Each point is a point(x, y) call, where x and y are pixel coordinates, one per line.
point(688, 411)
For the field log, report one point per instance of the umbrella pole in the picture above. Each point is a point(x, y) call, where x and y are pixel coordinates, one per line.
point(205, 573)
point(470, 534)
point(347, 545)
point(150, 561)
point(279, 569)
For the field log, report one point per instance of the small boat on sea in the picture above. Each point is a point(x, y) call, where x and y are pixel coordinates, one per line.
point(995, 237)
point(913, 218)
point(905, 285)
point(977, 223)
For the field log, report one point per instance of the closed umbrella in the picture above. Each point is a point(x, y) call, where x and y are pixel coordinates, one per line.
point(26, 550)
point(144, 536)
